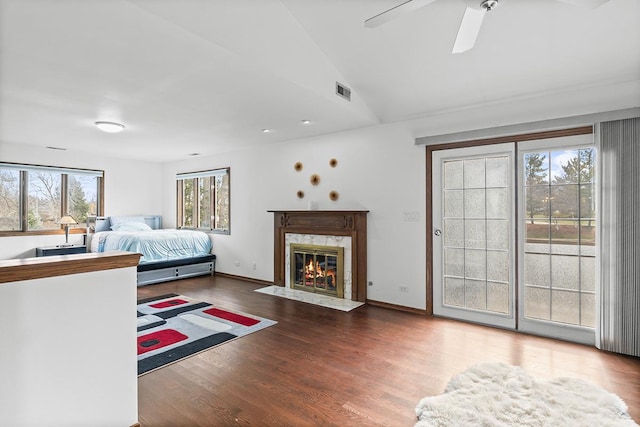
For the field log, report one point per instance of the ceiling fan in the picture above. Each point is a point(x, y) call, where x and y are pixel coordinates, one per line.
point(471, 20)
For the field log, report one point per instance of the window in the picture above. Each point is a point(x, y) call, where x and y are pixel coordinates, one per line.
point(34, 198)
point(559, 235)
point(203, 200)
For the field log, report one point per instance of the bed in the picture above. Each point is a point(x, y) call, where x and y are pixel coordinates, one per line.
point(167, 254)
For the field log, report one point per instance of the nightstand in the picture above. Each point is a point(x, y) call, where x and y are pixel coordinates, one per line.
point(61, 250)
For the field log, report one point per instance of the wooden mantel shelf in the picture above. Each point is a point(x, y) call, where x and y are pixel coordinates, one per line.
point(15, 270)
point(336, 223)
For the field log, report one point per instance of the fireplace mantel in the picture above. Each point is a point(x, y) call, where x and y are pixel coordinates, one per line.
point(335, 223)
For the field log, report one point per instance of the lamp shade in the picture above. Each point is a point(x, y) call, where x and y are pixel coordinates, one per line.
point(67, 220)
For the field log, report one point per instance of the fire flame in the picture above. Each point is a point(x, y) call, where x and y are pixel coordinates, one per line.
point(312, 270)
point(315, 274)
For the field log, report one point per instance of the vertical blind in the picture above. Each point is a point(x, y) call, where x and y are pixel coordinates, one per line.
point(618, 328)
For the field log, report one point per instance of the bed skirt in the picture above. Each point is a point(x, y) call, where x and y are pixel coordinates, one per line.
point(164, 271)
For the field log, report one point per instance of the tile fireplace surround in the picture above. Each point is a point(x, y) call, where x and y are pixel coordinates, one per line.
point(328, 226)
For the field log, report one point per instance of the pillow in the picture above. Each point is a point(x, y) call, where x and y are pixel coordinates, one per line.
point(119, 219)
point(130, 226)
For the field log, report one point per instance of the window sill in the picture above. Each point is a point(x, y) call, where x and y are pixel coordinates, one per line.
point(42, 232)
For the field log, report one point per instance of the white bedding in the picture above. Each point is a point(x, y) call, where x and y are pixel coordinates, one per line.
point(154, 245)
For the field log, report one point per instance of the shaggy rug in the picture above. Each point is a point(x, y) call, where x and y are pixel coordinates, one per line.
point(172, 327)
point(495, 394)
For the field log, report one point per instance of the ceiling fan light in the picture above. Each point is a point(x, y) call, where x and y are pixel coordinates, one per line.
point(111, 127)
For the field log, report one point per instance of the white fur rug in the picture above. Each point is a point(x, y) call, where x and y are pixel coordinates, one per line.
point(495, 394)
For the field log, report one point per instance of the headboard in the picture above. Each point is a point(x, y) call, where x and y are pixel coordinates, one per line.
point(103, 223)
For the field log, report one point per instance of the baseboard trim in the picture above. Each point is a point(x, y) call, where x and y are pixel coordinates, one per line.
point(246, 279)
point(397, 307)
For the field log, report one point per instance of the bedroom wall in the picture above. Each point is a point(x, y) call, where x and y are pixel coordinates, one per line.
point(131, 187)
point(379, 169)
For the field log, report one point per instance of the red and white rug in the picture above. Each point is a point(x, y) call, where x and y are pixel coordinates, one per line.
point(172, 327)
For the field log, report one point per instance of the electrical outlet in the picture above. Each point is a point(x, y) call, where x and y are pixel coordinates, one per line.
point(404, 288)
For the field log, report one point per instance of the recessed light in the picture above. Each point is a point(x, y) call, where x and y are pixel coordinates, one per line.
point(306, 122)
point(111, 127)
point(266, 130)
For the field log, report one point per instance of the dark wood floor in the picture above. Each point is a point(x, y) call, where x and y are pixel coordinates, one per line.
point(322, 367)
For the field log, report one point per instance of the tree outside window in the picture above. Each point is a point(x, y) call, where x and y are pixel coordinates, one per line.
point(203, 200)
point(44, 201)
point(9, 200)
point(50, 193)
point(560, 196)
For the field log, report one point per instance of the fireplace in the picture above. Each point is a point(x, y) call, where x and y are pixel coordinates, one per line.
point(335, 229)
point(318, 269)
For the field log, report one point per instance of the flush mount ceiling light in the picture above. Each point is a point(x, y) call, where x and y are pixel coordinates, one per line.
point(306, 122)
point(111, 127)
point(266, 130)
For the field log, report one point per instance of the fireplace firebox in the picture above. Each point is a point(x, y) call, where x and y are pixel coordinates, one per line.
point(318, 269)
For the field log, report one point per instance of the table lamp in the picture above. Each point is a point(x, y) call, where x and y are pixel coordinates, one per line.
point(66, 221)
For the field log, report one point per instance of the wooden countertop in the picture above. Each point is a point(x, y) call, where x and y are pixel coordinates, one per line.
point(14, 270)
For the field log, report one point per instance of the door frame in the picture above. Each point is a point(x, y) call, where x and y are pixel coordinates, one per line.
point(475, 143)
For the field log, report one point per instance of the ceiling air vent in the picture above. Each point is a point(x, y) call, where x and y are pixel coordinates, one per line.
point(343, 91)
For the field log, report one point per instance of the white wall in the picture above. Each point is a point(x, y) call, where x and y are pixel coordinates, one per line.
point(379, 169)
point(131, 187)
point(68, 356)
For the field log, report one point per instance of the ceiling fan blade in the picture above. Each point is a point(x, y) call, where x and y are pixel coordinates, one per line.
point(469, 29)
point(591, 4)
point(394, 12)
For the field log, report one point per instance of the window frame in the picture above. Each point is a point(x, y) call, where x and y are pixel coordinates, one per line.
point(180, 200)
point(23, 197)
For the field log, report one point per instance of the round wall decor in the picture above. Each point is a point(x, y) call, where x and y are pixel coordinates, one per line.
point(314, 179)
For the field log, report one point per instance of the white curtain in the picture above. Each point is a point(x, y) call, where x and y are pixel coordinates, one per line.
point(619, 297)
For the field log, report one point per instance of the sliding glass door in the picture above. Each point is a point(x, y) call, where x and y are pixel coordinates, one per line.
point(514, 235)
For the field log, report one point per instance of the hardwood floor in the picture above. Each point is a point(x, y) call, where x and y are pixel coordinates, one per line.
point(323, 367)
